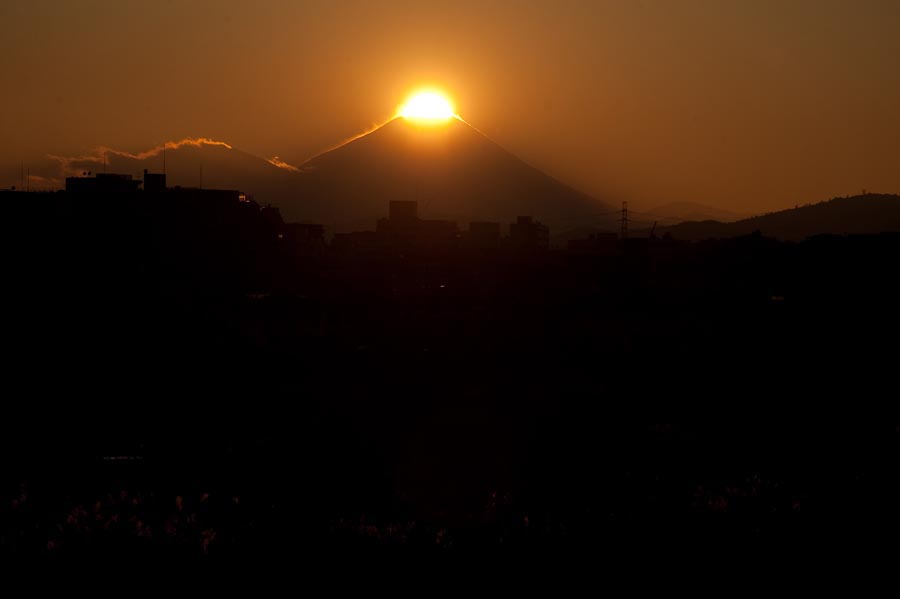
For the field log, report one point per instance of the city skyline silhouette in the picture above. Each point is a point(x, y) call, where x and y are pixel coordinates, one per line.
point(301, 284)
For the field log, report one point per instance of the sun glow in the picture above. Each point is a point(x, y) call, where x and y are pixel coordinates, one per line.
point(428, 106)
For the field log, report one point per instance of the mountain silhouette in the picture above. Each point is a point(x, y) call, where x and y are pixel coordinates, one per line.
point(862, 214)
point(677, 212)
point(452, 170)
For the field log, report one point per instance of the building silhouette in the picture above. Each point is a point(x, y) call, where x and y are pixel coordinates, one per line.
point(481, 236)
point(154, 182)
point(596, 244)
point(403, 229)
point(102, 184)
point(527, 234)
point(303, 239)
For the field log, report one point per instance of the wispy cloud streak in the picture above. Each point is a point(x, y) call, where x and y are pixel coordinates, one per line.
point(73, 165)
point(276, 161)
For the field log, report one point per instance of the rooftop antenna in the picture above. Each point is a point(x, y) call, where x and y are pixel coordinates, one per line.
point(22, 176)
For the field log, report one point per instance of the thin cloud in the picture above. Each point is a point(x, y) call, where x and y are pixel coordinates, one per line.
point(75, 165)
point(372, 129)
point(39, 183)
point(276, 161)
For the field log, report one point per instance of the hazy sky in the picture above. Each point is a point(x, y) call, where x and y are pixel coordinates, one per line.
point(743, 104)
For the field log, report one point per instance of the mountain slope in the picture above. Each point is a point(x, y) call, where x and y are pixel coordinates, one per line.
point(452, 170)
point(871, 213)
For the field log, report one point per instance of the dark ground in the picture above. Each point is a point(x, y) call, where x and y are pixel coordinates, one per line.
point(178, 385)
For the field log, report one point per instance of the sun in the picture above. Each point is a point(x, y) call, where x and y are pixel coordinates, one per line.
point(427, 106)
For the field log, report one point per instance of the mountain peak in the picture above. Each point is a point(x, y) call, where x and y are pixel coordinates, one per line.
point(450, 168)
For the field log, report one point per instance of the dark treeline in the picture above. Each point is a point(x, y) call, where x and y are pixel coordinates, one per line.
point(184, 382)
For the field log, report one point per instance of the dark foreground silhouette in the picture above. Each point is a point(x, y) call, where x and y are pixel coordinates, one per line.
point(189, 376)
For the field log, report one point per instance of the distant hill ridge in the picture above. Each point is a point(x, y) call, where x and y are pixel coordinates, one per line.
point(869, 213)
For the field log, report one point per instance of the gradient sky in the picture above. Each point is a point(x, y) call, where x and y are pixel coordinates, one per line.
point(746, 105)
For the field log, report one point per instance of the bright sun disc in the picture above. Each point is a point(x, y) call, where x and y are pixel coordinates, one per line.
point(427, 106)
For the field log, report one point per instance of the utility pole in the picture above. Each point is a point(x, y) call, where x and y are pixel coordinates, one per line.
point(623, 233)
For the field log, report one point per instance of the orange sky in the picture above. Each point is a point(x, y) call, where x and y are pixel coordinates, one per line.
point(745, 105)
